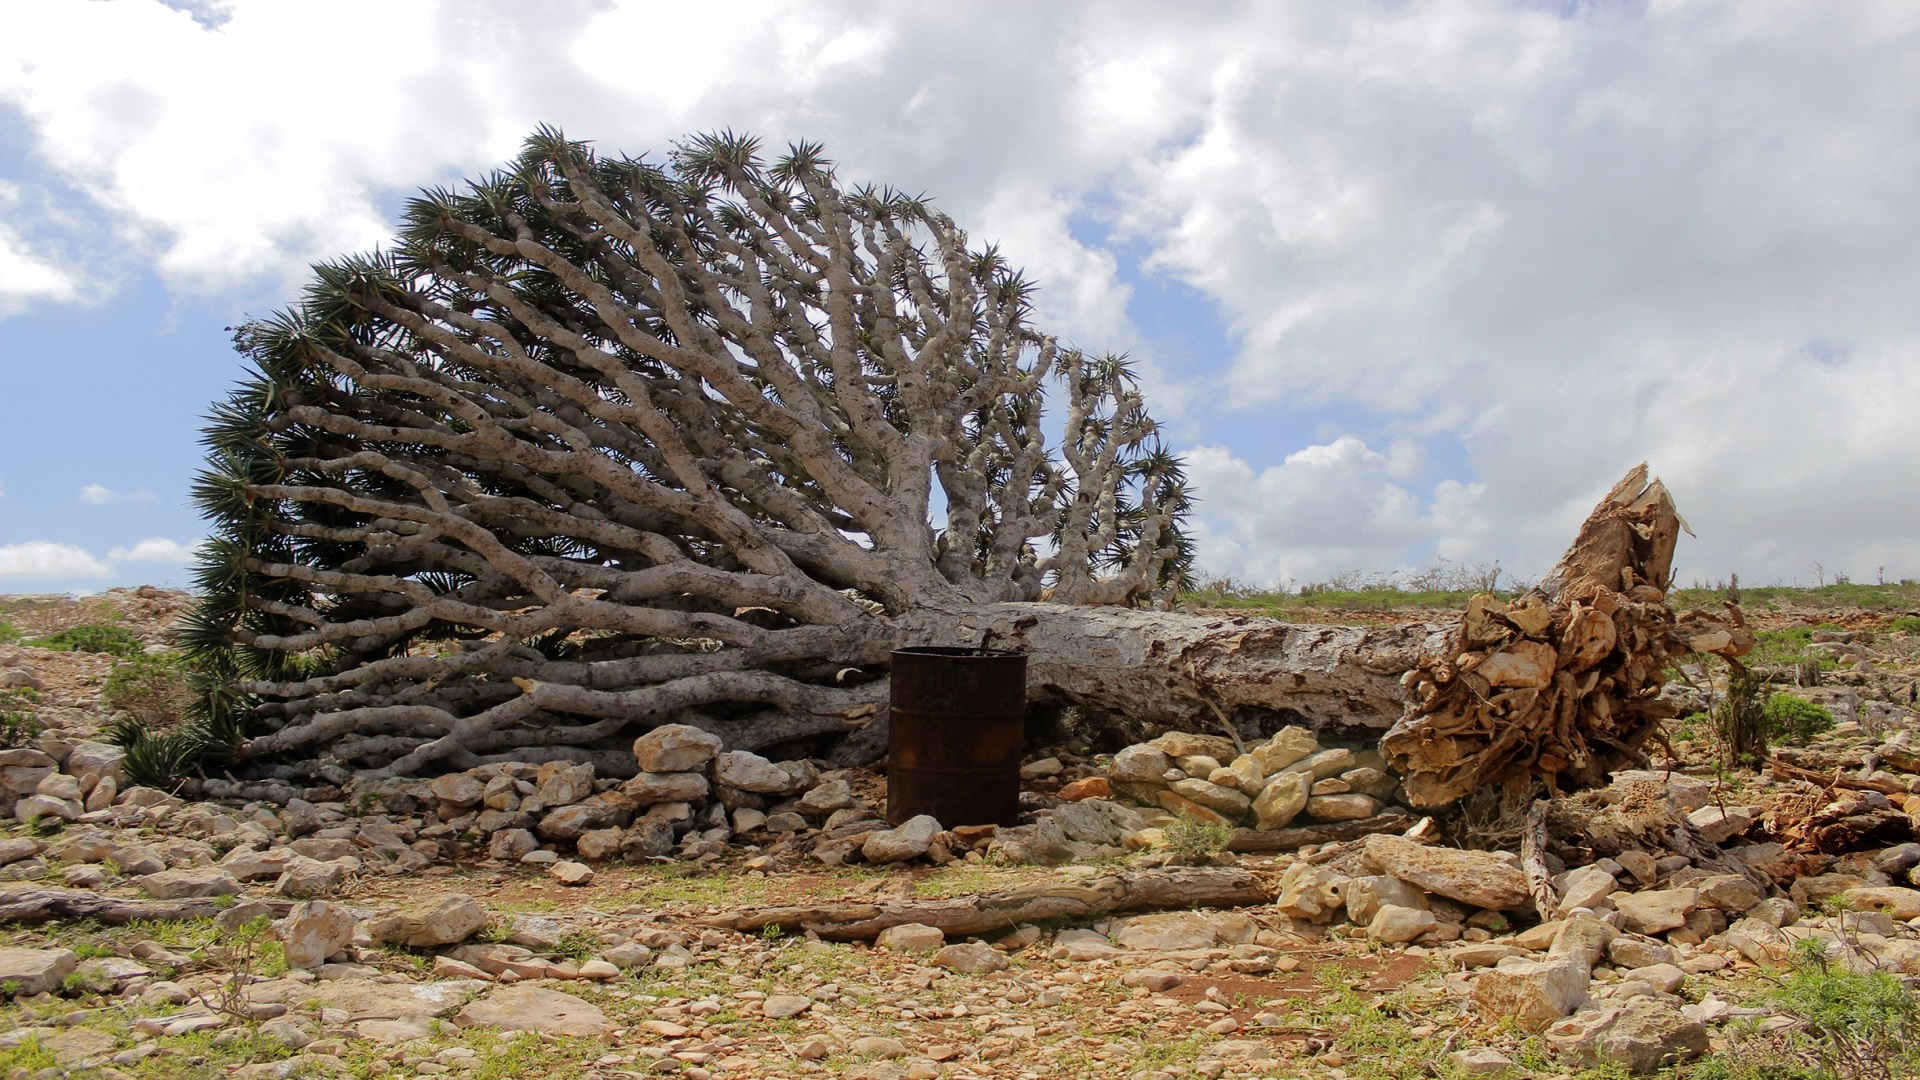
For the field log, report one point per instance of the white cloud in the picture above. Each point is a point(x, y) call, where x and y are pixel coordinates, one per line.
point(154, 549)
point(102, 495)
point(47, 559)
point(1556, 244)
point(1328, 509)
point(24, 276)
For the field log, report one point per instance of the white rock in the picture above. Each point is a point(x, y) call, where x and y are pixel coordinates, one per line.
point(1288, 745)
point(910, 840)
point(1584, 887)
point(1643, 1034)
point(1532, 993)
point(1139, 764)
point(750, 772)
point(1169, 932)
point(1397, 925)
point(970, 958)
point(1480, 878)
point(649, 788)
point(1281, 800)
point(314, 931)
point(675, 748)
point(1656, 910)
point(37, 971)
point(911, 937)
point(1366, 895)
point(440, 920)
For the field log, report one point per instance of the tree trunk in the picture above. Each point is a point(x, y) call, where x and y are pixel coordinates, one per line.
point(1194, 672)
point(35, 903)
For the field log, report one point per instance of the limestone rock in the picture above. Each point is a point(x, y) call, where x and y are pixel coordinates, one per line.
point(1730, 893)
point(826, 798)
point(91, 762)
point(911, 937)
point(442, 920)
point(970, 958)
point(1310, 893)
point(750, 772)
point(1288, 745)
point(1281, 800)
point(649, 788)
point(1643, 1034)
point(1480, 878)
point(1656, 910)
point(184, 884)
point(910, 840)
point(1397, 925)
point(458, 789)
point(1181, 744)
point(1480, 1061)
point(1366, 895)
point(576, 819)
point(1629, 953)
point(1347, 807)
point(533, 1008)
point(1222, 800)
point(1719, 824)
point(311, 879)
point(509, 844)
point(1583, 939)
point(1087, 787)
point(314, 931)
point(37, 971)
point(1584, 887)
point(1170, 932)
point(1097, 822)
point(675, 748)
point(1532, 993)
point(563, 783)
point(568, 872)
point(1900, 903)
point(1140, 764)
point(1326, 763)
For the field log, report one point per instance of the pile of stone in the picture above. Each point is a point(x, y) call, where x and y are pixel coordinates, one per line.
point(1285, 779)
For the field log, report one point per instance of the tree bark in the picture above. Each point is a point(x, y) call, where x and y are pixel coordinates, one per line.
point(1255, 841)
point(35, 903)
point(982, 913)
point(1189, 671)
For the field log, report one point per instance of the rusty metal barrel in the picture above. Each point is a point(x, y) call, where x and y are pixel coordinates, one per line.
point(955, 726)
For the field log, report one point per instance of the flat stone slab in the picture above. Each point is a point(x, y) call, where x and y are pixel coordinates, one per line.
point(362, 1000)
point(533, 1008)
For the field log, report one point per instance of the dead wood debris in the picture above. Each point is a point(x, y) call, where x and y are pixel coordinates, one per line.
point(1562, 684)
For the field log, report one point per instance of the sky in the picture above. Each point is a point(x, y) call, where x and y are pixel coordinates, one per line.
point(1408, 281)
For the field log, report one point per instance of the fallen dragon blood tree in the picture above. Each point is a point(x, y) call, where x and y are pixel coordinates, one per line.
point(600, 444)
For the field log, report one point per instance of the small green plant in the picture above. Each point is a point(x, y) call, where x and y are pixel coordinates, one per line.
point(92, 638)
point(772, 932)
point(1854, 1024)
point(1795, 721)
point(8, 635)
point(1909, 624)
point(152, 689)
point(1191, 840)
point(19, 721)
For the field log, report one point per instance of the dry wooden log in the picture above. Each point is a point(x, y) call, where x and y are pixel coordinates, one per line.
point(36, 903)
point(1257, 841)
point(1837, 779)
point(1533, 859)
point(1563, 683)
point(1073, 898)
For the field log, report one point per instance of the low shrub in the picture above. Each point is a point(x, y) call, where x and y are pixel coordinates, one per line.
point(1795, 721)
point(19, 719)
point(92, 638)
point(152, 689)
point(1191, 840)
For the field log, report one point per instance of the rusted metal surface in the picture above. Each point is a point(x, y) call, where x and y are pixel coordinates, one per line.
point(956, 722)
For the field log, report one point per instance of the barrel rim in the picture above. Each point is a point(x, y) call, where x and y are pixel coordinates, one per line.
point(959, 652)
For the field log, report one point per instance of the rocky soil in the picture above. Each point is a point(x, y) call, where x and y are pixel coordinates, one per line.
point(540, 919)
